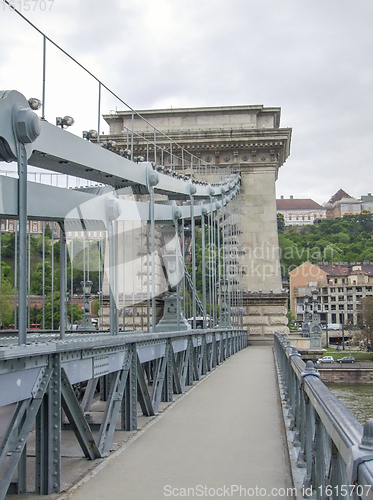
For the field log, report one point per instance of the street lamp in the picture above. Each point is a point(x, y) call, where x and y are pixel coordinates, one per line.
point(224, 316)
point(306, 318)
point(66, 121)
point(315, 327)
point(86, 323)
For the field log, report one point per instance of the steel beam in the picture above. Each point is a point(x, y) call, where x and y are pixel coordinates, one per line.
point(77, 420)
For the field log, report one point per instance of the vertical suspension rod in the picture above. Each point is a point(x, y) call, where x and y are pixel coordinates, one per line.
point(193, 259)
point(22, 259)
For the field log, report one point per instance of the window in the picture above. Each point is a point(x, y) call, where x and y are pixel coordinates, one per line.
point(35, 228)
point(333, 307)
point(341, 307)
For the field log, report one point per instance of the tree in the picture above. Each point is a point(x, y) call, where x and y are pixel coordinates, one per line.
point(280, 222)
point(37, 279)
point(366, 317)
point(6, 303)
point(37, 314)
point(291, 319)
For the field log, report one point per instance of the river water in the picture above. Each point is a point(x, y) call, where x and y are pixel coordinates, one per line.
point(357, 398)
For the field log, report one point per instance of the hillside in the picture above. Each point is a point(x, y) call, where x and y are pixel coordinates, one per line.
point(343, 239)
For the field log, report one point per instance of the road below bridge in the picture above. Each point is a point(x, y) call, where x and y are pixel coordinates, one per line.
point(225, 433)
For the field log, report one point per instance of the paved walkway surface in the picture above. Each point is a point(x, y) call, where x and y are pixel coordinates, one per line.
point(222, 439)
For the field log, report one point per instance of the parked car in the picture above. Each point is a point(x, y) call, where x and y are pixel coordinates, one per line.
point(347, 359)
point(326, 359)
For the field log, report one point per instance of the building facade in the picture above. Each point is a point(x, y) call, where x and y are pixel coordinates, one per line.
point(299, 212)
point(34, 226)
point(341, 203)
point(341, 286)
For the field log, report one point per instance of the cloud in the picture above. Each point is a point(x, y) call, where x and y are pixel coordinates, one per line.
point(312, 59)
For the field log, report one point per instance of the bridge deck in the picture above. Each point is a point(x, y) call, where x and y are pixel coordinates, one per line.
point(225, 432)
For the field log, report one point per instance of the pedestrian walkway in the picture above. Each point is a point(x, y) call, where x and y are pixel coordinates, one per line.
point(224, 438)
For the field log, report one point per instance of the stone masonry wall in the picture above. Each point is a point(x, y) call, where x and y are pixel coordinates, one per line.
point(265, 314)
point(346, 375)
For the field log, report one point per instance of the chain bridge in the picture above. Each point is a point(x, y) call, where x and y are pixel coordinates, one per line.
point(158, 378)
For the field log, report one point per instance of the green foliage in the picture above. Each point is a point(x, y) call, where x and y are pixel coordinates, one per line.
point(7, 245)
point(95, 264)
point(291, 319)
point(211, 259)
point(6, 303)
point(366, 317)
point(280, 222)
point(95, 307)
point(36, 315)
point(343, 239)
point(36, 276)
point(37, 279)
point(6, 272)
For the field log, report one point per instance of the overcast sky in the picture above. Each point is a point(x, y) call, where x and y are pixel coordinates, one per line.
point(312, 58)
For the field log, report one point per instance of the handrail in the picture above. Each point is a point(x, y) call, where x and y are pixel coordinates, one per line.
point(332, 446)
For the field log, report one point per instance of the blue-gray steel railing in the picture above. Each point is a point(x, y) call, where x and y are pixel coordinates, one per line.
point(333, 449)
point(38, 374)
point(142, 368)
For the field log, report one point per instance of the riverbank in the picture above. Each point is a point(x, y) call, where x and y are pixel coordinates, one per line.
point(354, 373)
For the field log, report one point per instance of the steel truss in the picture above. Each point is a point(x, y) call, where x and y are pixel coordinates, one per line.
point(334, 452)
point(134, 372)
point(137, 371)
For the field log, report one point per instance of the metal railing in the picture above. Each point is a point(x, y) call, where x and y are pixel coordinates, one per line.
point(333, 451)
point(143, 369)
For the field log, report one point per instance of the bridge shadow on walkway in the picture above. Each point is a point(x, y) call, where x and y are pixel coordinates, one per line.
point(226, 432)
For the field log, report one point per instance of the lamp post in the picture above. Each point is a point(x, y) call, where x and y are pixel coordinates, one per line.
point(314, 327)
point(306, 319)
point(224, 316)
point(86, 323)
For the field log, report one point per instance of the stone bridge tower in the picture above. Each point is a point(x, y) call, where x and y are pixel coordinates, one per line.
point(247, 139)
